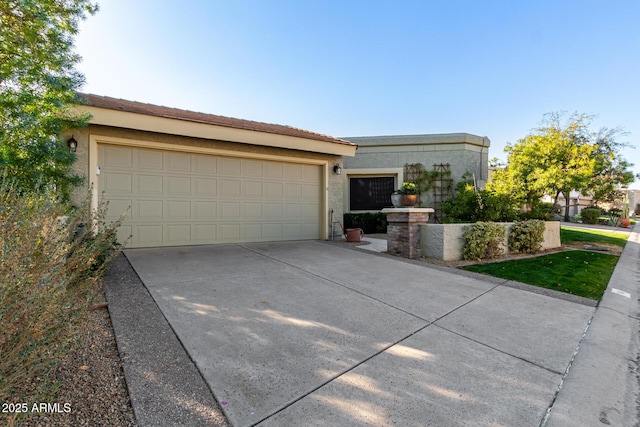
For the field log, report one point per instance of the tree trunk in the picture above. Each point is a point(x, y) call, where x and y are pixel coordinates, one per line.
point(567, 200)
point(555, 199)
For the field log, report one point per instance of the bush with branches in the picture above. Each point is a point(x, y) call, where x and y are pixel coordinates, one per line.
point(483, 240)
point(470, 204)
point(590, 215)
point(47, 266)
point(527, 236)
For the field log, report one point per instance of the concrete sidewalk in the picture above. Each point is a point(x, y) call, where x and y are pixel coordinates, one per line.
point(602, 386)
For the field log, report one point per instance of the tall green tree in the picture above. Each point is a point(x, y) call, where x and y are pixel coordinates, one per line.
point(38, 84)
point(564, 155)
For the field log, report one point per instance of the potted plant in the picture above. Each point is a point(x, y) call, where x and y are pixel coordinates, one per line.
point(406, 196)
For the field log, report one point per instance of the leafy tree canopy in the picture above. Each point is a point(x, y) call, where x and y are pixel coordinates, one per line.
point(563, 155)
point(38, 85)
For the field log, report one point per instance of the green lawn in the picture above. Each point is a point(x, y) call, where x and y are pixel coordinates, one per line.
point(577, 272)
point(574, 235)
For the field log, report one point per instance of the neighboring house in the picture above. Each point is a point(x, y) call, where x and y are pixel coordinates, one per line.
point(577, 202)
point(634, 201)
point(190, 178)
point(378, 166)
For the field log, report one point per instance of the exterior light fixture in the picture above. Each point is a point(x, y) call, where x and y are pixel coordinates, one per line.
point(337, 170)
point(72, 144)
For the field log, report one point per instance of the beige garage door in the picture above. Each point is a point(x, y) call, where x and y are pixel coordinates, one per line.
point(189, 199)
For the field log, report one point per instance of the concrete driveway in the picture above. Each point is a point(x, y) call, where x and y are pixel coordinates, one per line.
point(313, 333)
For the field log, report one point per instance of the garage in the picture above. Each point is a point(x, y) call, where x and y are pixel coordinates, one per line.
point(192, 178)
point(180, 198)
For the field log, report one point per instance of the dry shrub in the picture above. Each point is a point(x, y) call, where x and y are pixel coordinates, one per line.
point(50, 256)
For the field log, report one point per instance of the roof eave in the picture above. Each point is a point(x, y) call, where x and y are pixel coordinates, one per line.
point(174, 126)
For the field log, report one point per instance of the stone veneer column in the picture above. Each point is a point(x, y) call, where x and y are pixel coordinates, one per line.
point(403, 231)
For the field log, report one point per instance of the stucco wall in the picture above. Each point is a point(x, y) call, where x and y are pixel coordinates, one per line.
point(335, 182)
point(445, 242)
point(463, 152)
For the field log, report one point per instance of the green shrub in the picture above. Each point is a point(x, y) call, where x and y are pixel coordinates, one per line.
point(527, 236)
point(46, 272)
point(471, 205)
point(544, 211)
point(590, 215)
point(483, 240)
point(369, 222)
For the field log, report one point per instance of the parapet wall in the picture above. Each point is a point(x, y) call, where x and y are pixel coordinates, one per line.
point(445, 242)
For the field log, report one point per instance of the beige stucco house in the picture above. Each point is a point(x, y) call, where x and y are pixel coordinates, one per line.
point(188, 178)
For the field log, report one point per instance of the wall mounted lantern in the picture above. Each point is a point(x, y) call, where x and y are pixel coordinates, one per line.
point(72, 144)
point(337, 170)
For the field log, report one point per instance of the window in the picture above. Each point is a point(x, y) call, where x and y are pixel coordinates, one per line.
point(370, 193)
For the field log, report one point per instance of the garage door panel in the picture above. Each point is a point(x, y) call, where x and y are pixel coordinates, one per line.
point(229, 166)
point(118, 182)
point(311, 174)
point(178, 162)
point(148, 159)
point(178, 234)
point(148, 235)
point(180, 198)
point(229, 232)
point(205, 187)
point(292, 172)
point(309, 230)
point(251, 232)
point(292, 231)
point(148, 210)
point(177, 209)
point(118, 207)
point(293, 211)
point(229, 210)
point(117, 157)
point(252, 189)
point(229, 188)
point(252, 210)
point(204, 210)
point(310, 212)
point(252, 168)
point(274, 210)
point(310, 193)
point(203, 233)
point(150, 184)
point(124, 233)
point(273, 170)
point(274, 190)
point(272, 231)
point(202, 164)
point(293, 191)
point(178, 186)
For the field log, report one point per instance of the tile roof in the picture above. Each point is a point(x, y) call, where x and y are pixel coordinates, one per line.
point(211, 119)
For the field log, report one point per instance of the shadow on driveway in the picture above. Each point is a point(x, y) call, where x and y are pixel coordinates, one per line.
point(292, 332)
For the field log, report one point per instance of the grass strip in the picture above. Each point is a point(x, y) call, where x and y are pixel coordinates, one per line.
point(581, 273)
point(580, 235)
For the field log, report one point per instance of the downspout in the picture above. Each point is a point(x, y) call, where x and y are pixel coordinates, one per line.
point(482, 162)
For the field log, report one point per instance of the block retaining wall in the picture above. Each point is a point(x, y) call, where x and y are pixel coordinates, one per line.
point(445, 242)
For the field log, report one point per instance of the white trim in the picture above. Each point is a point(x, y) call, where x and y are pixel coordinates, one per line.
point(94, 140)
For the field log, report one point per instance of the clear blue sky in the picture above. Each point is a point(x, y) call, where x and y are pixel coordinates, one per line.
point(355, 68)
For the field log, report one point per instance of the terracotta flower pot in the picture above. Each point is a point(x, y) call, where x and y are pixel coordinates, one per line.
point(404, 200)
point(625, 222)
point(354, 234)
